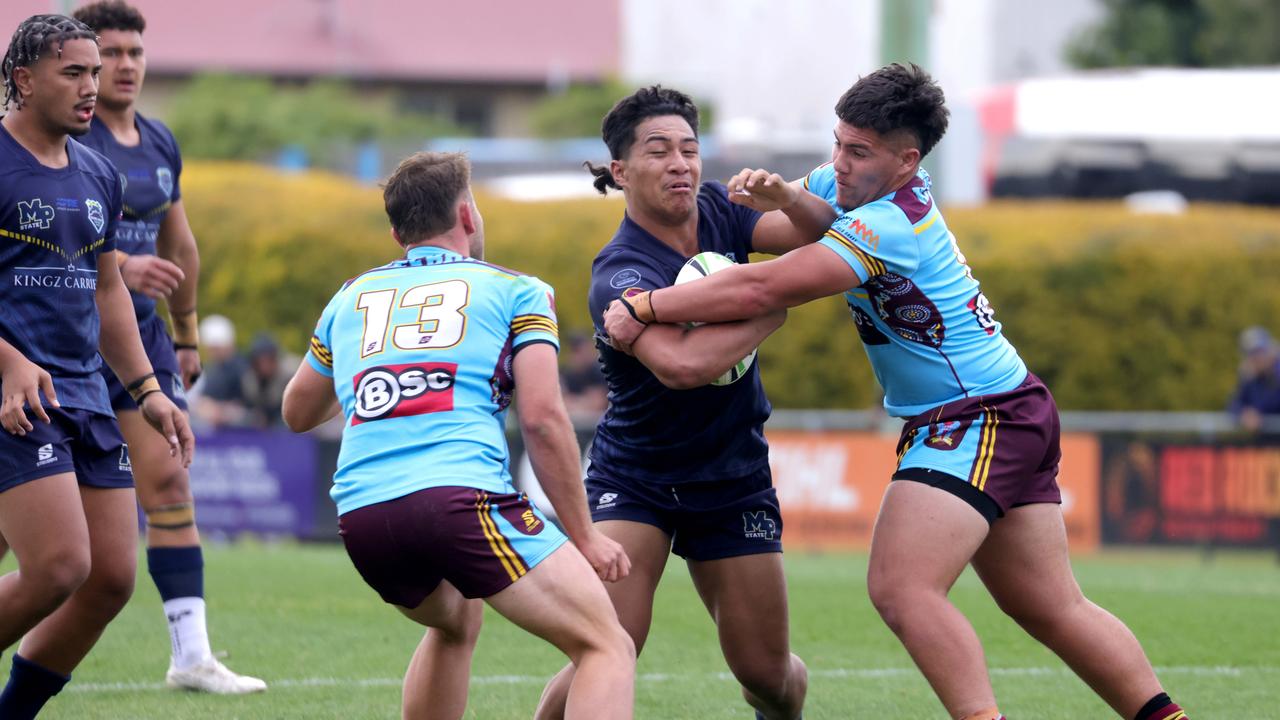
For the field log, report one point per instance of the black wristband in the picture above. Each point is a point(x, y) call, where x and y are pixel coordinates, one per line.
point(138, 383)
point(184, 346)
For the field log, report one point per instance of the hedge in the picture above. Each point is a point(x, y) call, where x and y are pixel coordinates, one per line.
point(1115, 311)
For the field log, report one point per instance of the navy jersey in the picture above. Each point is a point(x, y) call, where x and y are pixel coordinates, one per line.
point(54, 223)
point(149, 173)
point(650, 432)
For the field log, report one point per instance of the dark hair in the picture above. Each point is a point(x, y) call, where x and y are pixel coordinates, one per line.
point(35, 35)
point(619, 126)
point(421, 194)
point(897, 98)
point(111, 15)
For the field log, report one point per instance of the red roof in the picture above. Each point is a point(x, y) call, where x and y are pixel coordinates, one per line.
point(465, 40)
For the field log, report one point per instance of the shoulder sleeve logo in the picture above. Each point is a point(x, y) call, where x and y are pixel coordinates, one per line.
point(624, 278)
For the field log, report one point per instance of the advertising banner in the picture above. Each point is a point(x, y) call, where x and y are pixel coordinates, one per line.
point(255, 481)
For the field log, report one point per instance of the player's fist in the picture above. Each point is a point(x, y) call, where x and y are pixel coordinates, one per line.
point(160, 412)
point(151, 275)
point(621, 327)
point(22, 385)
point(606, 556)
point(762, 190)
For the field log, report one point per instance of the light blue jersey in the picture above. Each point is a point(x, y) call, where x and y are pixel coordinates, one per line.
point(930, 333)
point(420, 351)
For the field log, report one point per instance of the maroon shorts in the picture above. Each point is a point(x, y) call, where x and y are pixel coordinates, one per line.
point(995, 451)
point(478, 541)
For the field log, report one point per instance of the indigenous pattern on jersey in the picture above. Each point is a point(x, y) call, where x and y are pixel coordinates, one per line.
point(54, 223)
point(650, 432)
point(420, 351)
point(930, 333)
point(149, 174)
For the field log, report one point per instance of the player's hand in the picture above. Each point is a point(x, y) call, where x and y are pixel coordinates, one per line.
point(151, 275)
point(762, 190)
point(606, 556)
point(23, 383)
point(160, 412)
point(621, 328)
point(189, 366)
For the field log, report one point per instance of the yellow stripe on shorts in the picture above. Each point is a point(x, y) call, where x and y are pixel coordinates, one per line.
point(510, 560)
point(987, 449)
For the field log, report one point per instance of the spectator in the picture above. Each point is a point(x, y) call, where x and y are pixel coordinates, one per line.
point(1258, 393)
point(263, 381)
point(217, 399)
point(585, 393)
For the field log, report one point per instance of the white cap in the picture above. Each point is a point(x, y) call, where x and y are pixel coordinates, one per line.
point(217, 331)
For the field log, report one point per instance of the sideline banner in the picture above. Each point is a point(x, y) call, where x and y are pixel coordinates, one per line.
point(258, 481)
point(830, 484)
point(1179, 493)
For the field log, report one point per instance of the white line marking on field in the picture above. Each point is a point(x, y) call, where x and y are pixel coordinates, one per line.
point(835, 673)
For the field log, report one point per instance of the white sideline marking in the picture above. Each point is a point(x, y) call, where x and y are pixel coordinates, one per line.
point(838, 673)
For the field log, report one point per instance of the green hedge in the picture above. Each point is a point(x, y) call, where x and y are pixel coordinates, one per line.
point(1115, 311)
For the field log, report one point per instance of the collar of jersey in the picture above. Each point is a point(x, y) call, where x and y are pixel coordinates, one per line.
point(431, 255)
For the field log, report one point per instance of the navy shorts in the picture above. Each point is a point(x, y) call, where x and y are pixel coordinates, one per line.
point(164, 361)
point(706, 520)
point(480, 542)
point(996, 451)
point(86, 443)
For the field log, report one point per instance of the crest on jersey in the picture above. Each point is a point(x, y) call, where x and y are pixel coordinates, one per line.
point(96, 216)
point(947, 435)
point(164, 178)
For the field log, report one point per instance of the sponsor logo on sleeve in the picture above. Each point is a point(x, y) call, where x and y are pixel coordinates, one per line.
point(623, 279)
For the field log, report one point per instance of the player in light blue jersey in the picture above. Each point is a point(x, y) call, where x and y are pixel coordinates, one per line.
point(978, 458)
point(423, 356)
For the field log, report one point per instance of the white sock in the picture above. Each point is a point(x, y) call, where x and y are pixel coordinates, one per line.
point(187, 631)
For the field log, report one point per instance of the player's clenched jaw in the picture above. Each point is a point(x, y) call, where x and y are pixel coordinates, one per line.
point(124, 67)
point(661, 172)
point(61, 90)
point(869, 165)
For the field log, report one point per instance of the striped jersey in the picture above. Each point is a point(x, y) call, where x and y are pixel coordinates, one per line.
point(928, 330)
point(54, 224)
point(420, 351)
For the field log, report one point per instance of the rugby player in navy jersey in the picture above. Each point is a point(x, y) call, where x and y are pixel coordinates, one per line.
point(678, 465)
point(158, 259)
point(978, 459)
point(67, 506)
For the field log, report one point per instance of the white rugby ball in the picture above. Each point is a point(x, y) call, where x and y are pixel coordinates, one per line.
point(702, 265)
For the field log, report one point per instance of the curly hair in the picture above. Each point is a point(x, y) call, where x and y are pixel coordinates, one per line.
point(619, 126)
point(897, 98)
point(111, 15)
point(35, 35)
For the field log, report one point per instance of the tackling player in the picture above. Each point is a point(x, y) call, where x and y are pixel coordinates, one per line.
point(678, 465)
point(423, 356)
point(66, 492)
point(157, 256)
point(978, 457)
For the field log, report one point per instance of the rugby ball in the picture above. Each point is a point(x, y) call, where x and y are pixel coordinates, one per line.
point(702, 265)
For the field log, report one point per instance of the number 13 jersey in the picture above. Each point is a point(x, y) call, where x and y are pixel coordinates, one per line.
point(420, 351)
point(930, 333)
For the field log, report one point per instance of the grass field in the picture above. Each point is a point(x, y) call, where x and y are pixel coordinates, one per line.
point(300, 617)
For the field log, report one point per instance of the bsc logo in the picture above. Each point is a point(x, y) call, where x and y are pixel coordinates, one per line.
point(401, 390)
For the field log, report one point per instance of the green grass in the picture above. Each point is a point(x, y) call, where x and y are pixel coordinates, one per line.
point(300, 617)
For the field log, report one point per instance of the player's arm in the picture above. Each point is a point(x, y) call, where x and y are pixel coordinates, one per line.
point(742, 291)
point(683, 358)
point(553, 452)
point(177, 245)
point(793, 217)
point(309, 399)
point(121, 347)
point(22, 383)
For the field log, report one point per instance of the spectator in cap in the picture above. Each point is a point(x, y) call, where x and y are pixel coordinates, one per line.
point(217, 399)
point(262, 383)
point(1258, 393)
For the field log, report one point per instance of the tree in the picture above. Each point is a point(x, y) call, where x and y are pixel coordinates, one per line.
point(1181, 33)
